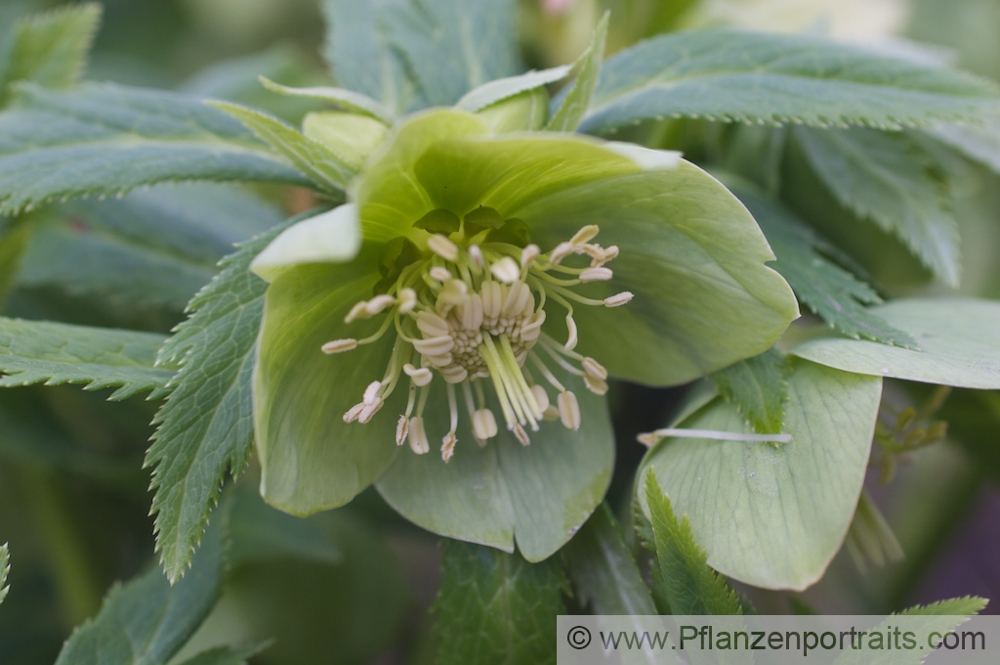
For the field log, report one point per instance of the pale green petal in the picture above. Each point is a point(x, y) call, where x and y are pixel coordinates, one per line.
point(774, 515)
point(329, 237)
point(389, 196)
point(958, 343)
point(535, 495)
point(694, 258)
point(310, 459)
point(509, 171)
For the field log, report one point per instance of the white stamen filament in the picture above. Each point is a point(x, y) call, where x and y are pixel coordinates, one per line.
point(650, 438)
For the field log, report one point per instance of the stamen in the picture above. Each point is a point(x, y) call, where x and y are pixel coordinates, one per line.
point(569, 410)
point(599, 274)
point(417, 436)
point(339, 346)
point(596, 386)
point(484, 426)
point(541, 397)
point(448, 446)
point(586, 234)
point(571, 339)
point(594, 368)
point(378, 304)
point(521, 435)
point(529, 254)
point(440, 273)
point(443, 247)
point(476, 258)
point(352, 413)
point(402, 427)
point(420, 376)
point(618, 299)
point(434, 346)
point(371, 392)
point(407, 300)
point(506, 270)
point(561, 251)
point(356, 312)
point(650, 438)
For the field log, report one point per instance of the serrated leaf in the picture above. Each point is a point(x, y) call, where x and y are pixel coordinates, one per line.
point(888, 179)
point(964, 606)
point(603, 570)
point(361, 56)
point(691, 587)
point(206, 424)
point(570, 107)
point(146, 621)
point(14, 235)
point(4, 570)
point(758, 387)
point(957, 341)
point(50, 49)
point(979, 142)
point(505, 88)
point(346, 99)
point(496, 608)
point(102, 140)
point(328, 171)
point(150, 249)
point(453, 46)
point(833, 293)
point(56, 353)
point(754, 77)
point(224, 655)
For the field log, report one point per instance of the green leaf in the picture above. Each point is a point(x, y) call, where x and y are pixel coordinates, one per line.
point(349, 100)
point(979, 142)
point(957, 341)
point(328, 170)
point(775, 515)
point(15, 232)
point(51, 49)
point(453, 46)
point(151, 249)
point(205, 425)
point(965, 606)
point(147, 621)
point(603, 570)
point(890, 180)
point(570, 107)
point(362, 57)
point(536, 495)
point(101, 140)
point(691, 587)
point(505, 88)
point(758, 387)
point(224, 656)
point(56, 353)
point(804, 259)
point(495, 608)
point(754, 77)
point(4, 571)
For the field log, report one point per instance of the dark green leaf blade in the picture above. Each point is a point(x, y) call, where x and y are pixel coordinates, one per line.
point(147, 621)
point(889, 179)
point(56, 353)
point(691, 587)
point(496, 608)
point(151, 249)
point(754, 77)
point(831, 292)
point(758, 387)
point(224, 656)
point(603, 570)
point(103, 140)
point(51, 49)
point(4, 570)
point(453, 46)
point(206, 424)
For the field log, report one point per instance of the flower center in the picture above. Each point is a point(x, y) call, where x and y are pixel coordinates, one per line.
point(470, 311)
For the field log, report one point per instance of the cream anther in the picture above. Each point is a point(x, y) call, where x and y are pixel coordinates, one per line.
point(439, 273)
point(569, 410)
point(379, 304)
point(476, 258)
point(561, 251)
point(357, 312)
point(370, 410)
point(448, 446)
point(434, 346)
point(402, 428)
point(407, 300)
point(455, 292)
point(339, 346)
point(417, 436)
point(529, 254)
point(571, 338)
point(432, 325)
point(420, 376)
point(618, 299)
point(352, 413)
point(521, 435)
point(484, 425)
point(594, 385)
point(541, 398)
point(443, 247)
point(594, 368)
point(506, 270)
point(584, 235)
point(598, 274)
point(371, 392)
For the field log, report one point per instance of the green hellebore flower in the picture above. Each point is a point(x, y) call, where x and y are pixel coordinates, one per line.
point(477, 290)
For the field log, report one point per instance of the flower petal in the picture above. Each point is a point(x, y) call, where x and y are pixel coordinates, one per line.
point(535, 495)
point(329, 237)
point(311, 459)
point(694, 258)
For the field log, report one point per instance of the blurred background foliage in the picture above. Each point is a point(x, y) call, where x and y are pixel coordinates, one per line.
point(73, 494)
